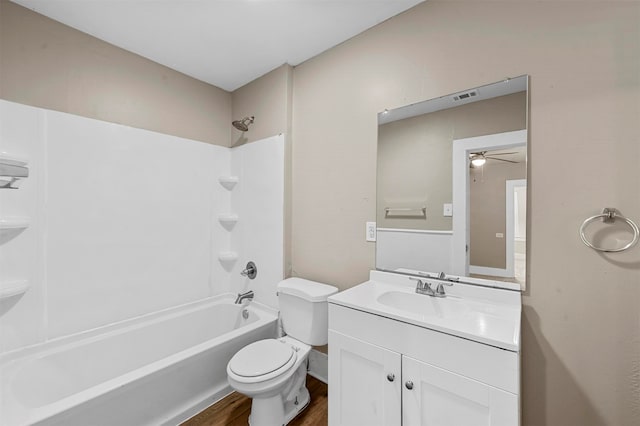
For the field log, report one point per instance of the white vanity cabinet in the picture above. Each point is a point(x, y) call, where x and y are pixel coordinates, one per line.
point(383, 371)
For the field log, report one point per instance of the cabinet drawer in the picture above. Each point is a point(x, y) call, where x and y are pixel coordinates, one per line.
point(487, 364)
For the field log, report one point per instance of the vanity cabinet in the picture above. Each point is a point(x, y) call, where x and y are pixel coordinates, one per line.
point(386, 372)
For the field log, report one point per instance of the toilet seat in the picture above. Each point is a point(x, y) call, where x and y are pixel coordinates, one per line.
point(262, 360)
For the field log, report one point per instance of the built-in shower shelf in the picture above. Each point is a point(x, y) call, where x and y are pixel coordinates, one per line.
point(12, 171)
point(13, 288)
point(229, 182)
point(228, 219)
point(10, 160)
point(228, 256)
point(14, 223)
point(10, 227)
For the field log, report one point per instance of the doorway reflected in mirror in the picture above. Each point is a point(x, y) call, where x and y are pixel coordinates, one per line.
point(497, 193)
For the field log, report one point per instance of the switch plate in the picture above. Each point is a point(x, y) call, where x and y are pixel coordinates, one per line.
point(371, 231)
point(447, 209)
point(499, 235)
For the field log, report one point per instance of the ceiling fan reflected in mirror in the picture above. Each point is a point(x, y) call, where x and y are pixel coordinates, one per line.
point(479, 158)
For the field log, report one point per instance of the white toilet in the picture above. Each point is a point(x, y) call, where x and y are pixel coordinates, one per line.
point(274, 371)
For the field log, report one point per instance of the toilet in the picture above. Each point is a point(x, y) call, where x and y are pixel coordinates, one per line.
point(273, 372)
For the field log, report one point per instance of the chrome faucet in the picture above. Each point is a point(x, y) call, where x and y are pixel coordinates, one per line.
point(444, 277)
point(424, 287)
point(244, 296)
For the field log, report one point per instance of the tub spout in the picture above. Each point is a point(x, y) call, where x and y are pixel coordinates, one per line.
point(242, 296)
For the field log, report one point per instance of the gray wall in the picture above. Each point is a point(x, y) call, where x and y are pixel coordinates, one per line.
point(581, 322)
point(49, 65)
point(266, 98)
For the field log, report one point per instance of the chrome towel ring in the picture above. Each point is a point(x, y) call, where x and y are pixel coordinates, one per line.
point(609, 215)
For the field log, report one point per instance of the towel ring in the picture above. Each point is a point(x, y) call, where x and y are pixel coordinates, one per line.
point(610, 215)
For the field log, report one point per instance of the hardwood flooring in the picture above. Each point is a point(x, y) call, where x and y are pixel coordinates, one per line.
point(234, 409)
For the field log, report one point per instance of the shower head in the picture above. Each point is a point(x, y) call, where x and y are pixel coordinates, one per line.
point(243, 125)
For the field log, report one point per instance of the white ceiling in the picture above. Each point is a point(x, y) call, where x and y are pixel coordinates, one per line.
point(227, 43)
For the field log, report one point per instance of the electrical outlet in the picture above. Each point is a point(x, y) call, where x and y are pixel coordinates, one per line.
point(447, 209)
point(371, 231)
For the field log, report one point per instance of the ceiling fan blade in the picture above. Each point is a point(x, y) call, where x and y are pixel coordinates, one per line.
point(503, 153)
point(502, 159)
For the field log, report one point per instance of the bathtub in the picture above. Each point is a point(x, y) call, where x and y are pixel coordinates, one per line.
point(158, 369)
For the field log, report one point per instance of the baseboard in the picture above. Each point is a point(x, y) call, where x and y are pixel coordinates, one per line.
point(319, 365)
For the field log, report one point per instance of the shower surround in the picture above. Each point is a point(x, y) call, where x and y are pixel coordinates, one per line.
point(125, 222)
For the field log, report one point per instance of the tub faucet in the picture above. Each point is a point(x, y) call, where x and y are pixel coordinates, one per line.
point(242, 296)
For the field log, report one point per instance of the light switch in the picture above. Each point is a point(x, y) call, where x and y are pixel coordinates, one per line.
point(499, 235)
point(447, 209)
point(371, 231)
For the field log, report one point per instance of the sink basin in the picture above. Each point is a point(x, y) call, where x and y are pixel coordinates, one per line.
point(483, 314)
point(424, 305)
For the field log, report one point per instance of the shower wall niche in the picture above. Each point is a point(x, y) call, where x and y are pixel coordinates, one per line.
point(122, 222)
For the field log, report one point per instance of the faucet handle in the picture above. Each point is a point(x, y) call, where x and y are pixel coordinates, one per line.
point(250, 271)
point(420, 284)
point(440, 289)
point(423, 287)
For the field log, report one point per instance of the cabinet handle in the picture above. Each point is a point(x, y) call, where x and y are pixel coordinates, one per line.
point(409, 385)
point(391, 377)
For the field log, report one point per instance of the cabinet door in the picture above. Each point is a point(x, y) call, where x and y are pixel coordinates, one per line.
point(441, 398)
point(364, 383)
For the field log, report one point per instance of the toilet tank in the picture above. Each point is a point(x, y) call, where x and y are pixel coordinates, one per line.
point(304, 310)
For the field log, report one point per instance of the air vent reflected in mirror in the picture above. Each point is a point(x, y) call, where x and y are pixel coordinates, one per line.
point(465, 95)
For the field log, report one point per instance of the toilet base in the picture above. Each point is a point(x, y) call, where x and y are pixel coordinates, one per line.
point(295, 407)
point(272, 412)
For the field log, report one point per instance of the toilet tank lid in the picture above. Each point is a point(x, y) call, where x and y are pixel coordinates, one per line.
point(307, 290)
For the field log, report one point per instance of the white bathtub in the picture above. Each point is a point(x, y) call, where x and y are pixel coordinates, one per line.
point(158, 369)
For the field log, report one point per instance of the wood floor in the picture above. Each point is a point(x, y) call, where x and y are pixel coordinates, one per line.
point(234, 410)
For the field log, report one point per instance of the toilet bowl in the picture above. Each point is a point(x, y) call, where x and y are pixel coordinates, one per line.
point(273, 372)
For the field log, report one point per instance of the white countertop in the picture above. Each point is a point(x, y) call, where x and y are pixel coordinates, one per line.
point(482, 314)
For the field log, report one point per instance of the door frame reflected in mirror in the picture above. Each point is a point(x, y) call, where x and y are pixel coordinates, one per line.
point(462, 149)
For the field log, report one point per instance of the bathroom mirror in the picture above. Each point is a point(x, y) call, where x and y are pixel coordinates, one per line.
point(451, 184)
